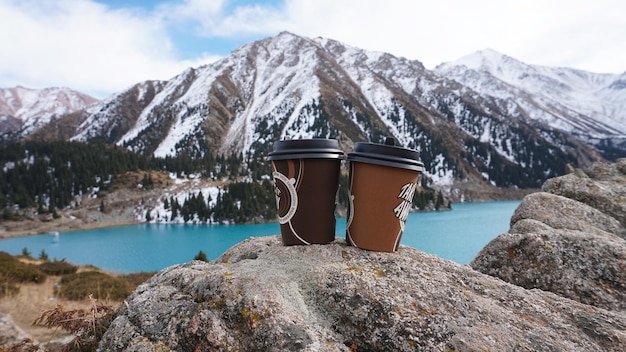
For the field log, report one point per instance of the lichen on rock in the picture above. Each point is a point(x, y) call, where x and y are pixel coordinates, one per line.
point(568, 239)
point(263, 296)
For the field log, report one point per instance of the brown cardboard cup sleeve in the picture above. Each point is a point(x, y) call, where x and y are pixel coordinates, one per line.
point(306, 179)
point(383, 180)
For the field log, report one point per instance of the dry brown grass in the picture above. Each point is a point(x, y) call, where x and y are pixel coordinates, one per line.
point(88, 326)
point(33, 300)
point(40, 301)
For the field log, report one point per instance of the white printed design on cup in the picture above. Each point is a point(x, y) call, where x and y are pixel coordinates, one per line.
point(402, 210)
point(350, 210)
point(292, 200)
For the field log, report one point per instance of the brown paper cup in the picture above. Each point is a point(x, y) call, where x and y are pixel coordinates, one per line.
point(306, 178)
point(383, 179)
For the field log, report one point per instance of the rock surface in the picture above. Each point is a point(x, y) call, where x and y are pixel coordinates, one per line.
point(11, 334)
point(568, 239)
point(563, 263)
point(602, 186)
point(263, 296)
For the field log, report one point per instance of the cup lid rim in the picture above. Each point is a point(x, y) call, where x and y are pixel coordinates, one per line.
point(384, 150)
point(306, 146)
point(387, 154)
point(389, 161)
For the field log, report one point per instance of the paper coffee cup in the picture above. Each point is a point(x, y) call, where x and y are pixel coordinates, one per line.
point(306, 178)
point(383, 179)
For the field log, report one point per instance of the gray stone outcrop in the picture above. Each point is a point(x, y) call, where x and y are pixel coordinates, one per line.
point(568, 239)
point(263, 296)
point(11, 334)
point(602, 186)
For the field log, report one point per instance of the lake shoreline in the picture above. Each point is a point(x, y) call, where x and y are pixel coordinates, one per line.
point(63, 226)
point(456, 235)
point(91, 220)
point(33, 227)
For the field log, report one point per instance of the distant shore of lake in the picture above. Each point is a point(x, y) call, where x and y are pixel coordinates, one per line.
point(456, 235)
point(11, 229)
point(89, 218)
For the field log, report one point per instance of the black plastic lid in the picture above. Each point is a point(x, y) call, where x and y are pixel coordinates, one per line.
point(387, 154)
point(316, 148)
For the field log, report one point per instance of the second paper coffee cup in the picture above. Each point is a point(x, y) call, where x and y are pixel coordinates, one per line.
point(306, 178)
point(383, 179)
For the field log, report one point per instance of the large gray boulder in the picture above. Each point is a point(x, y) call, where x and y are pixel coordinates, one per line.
point(568, 239)
point(263, 296)
point(602, 186)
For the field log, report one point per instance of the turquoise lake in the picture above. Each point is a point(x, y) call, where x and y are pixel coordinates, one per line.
point(457, 235)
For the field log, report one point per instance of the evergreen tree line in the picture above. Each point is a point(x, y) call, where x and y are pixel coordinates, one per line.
point(425, 197)
point(250, 201)
point(241, 202)
point(48, 175)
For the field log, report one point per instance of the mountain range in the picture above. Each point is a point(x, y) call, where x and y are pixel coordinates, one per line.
point(485, 121)
point(26, 110)
point(588, 105)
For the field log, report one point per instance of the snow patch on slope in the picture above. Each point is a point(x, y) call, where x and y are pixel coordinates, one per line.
point(282, 83)
point(568, 99)
point(37, 107)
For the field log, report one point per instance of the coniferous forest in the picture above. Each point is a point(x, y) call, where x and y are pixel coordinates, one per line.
point(49, 175)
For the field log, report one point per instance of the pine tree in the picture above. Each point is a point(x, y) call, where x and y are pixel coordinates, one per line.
point(43, 255)
point(439, 200)
point(54, 212)
point(201, 256)
point(40, 209)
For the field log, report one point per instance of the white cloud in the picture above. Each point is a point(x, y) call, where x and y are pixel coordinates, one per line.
point(97, 49)
point(83, 45)
point(582, 34)
point(217, 18)
point(198, 11)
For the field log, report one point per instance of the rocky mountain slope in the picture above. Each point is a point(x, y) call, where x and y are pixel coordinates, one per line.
point(24, 110)
point(289, 86)
point(588, 105)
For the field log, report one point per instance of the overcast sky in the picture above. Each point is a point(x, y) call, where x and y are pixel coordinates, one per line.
point(104, 46)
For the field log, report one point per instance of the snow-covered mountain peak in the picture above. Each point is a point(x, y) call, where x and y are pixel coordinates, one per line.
point(516, 72)
point(486, 60)
point(469, 121)
point(619, 83)
point(577, 101)
point(22, 102)
point(32, 108)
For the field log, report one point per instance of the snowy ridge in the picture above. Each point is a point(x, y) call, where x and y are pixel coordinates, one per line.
point(145, 120)
point(37, 107)
point(576, 101)
point(186, 121)
point(91, 127)
point(486, 119)
point(284, 83)
point(377, 93)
